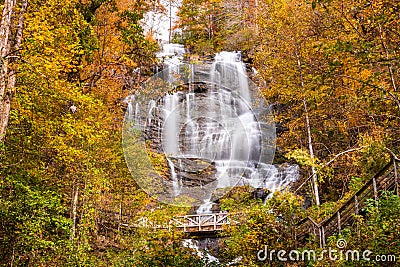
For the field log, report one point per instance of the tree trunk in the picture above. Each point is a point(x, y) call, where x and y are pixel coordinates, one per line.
point(170, 22)
point(308, 128)
point(74, 213)
point(387, 53)
point(8, 74)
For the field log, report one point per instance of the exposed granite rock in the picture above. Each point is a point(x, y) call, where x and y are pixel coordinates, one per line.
point(194, 171)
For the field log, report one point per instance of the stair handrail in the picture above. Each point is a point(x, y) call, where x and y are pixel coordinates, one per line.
point(393, 162)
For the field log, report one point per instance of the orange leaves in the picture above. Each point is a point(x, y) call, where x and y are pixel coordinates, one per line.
point(51, 40)
point(348, 62)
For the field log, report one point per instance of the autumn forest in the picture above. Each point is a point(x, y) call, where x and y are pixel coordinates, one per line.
point(329, 69)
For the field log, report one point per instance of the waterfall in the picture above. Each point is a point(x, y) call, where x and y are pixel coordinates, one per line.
point(172, 50)
point(216, 120)
point(172, 58)
point(152, 105)
point(229, 71)
point(175, 182)
point(193, 244)
point(137, 113)
point(171, 124)
point(130, 111)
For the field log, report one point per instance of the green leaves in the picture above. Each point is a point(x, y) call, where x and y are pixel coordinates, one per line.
point(33, 222)
point(89, 8)
point(52, 150)
point(260, 225)
point(314, 4)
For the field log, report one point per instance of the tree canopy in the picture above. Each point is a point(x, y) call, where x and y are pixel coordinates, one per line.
point(330, 70)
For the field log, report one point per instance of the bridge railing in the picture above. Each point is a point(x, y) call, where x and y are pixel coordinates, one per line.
point(187, 223)
point(386, 180)
point(201, 222)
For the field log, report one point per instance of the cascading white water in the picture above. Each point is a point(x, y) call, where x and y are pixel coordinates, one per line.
point(175, 181)
point(172, 50)
point(171, 124)
point(193, 244)
point(229, 71)
point(130, 110)
point(152, 105)
point(133, 109)
point(172, 57)
point(213, 122)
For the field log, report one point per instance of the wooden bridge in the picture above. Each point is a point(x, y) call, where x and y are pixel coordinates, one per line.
point(386, 180)
point(201, 223)
point(196, 223)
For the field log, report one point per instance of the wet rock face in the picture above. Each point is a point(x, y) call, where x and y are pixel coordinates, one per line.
point(190, 171)
point(194, 171)
point(154, 125)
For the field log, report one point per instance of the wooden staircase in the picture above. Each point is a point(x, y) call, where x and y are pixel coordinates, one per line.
point(386, 180)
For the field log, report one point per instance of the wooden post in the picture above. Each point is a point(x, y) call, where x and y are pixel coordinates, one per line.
point(339, 223)
point(119, 216)
point(375, 191)
point(396, 185)
point(321, 236)
point(315, 232)
point(215, 221)
point(200, 223)
point(356, 204)
point(74, 213)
